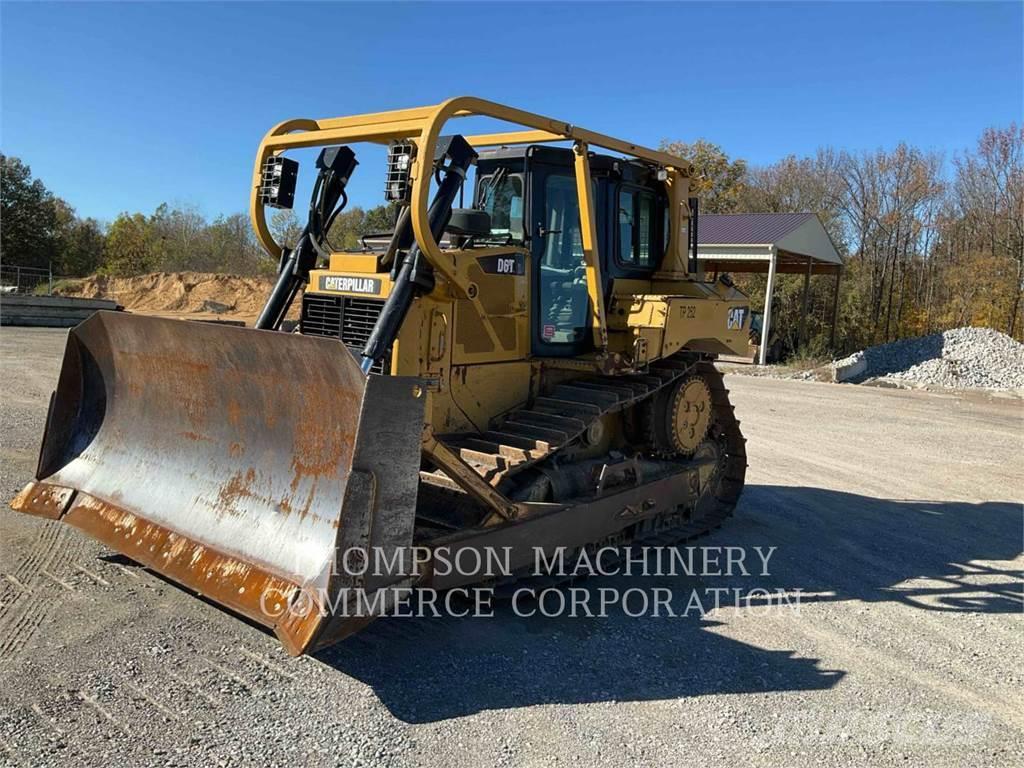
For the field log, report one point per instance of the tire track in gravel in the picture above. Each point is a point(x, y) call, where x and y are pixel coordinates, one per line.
point(15, 583)
point(886, 662)
point(122, 712)
point(54, 550)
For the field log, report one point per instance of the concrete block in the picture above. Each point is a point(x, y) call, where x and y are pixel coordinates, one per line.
point(849, 367)
point(50, 311)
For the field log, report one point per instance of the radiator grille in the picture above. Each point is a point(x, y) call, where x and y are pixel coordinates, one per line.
point(348, 318)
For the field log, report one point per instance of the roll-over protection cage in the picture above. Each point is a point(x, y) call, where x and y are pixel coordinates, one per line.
point(422, 127)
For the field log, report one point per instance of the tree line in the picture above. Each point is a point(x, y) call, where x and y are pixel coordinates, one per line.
point(39, 229)
point(925, 250)
point(928, 245)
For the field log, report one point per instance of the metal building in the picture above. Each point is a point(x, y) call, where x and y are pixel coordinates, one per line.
point(770, 243)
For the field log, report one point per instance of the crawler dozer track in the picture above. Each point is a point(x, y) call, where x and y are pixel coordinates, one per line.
point(721, 456)
point(719, 497)
point(554, 421)
point(715, 503)
point(688, 510)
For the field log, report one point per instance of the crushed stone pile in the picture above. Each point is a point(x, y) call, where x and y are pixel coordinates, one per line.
point(184, 292)
point(961, 358)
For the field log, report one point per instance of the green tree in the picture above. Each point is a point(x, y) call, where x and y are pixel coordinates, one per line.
point(81, 248)
point(352, 224)
point(346, 229)
point(28, 214)
point(234, 249)
point(380, 219)
point(132, 246)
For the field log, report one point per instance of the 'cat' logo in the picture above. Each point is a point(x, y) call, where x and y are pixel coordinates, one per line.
point(734, 321)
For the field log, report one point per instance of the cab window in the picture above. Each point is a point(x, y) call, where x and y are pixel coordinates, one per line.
point(638, 244)
point(564, 299)
point(503, 200)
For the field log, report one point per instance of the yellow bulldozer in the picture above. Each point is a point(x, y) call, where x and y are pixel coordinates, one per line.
point(531, 372)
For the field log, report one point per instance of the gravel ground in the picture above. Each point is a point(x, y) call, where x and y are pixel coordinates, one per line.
point(897, 513)
point(962, 358)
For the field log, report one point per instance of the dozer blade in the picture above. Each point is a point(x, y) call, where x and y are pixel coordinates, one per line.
point(244, 464)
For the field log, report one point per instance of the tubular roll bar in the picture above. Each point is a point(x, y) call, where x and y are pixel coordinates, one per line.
point(423, 125)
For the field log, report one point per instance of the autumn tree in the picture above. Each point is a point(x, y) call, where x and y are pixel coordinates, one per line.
point(285, 227)
point(929, 245)
point(183, 238)
point(989, 198)
point(717, 180)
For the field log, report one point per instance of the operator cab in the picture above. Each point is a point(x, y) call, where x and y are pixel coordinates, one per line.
point(529, 194)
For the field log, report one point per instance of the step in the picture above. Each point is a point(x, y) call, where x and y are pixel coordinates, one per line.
point(626, 387)
point(621, 390)
point(656, 379)
point(439, 479)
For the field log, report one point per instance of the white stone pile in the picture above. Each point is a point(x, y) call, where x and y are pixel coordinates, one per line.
point(961, 358)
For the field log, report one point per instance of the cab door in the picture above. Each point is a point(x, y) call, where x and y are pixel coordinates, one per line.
point(561, 303)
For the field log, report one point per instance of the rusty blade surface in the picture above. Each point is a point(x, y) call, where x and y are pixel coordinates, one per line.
point(231, 444)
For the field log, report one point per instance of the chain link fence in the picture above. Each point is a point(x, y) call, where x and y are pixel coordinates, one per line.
point(27, 280)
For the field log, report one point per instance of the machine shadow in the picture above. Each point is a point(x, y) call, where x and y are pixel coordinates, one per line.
point(930, 555)
point(425, 670)
point(831, 545)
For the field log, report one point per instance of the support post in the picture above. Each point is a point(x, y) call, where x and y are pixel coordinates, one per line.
point(802, 335)
point(769, 289)
point(835, 310)
point(588, 234)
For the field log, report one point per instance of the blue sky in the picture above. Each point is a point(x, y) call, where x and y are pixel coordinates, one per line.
point(122, 106)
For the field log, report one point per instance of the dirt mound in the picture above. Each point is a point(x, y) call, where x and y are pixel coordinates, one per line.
point(176, 292)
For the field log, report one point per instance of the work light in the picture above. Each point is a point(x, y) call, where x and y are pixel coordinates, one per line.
point(277, 188)
point(400, 154)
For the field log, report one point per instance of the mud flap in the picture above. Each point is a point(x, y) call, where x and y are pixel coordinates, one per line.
point(246, 465)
